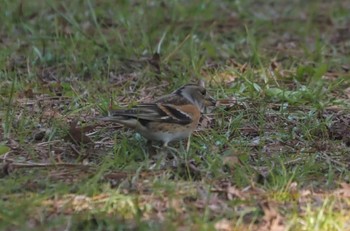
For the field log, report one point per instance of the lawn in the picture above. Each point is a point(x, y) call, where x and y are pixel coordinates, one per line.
point(273, 154)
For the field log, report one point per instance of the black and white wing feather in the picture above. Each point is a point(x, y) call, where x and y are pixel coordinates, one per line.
point(152, 112)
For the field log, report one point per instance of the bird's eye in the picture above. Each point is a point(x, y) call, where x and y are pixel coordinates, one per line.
point(203, 92)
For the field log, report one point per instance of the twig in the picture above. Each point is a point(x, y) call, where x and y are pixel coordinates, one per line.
point(325, 156)
point(48, 142)
point(4, 159)
point(46, 165)
point(75, 150)
point(295, 161)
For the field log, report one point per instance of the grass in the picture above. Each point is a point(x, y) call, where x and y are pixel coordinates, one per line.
point(272, 156)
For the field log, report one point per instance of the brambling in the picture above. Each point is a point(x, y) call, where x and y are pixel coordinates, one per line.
point(171, 117)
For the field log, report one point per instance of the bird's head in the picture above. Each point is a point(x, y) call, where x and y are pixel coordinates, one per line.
point(197, 95)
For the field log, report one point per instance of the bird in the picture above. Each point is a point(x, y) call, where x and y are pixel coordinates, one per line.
point(172, 117)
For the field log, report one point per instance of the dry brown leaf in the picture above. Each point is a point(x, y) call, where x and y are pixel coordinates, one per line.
point(231, 161)
point(76, 134)
point(274, 65)
point(224, 77)
point(206, 121)
point(347, 92)
point(228, 102)
point(81, 203)
point(234, 192)
point(51, 113)
point(276, 147)
point(27, 93)
point(116, 176)
point(345, 68)
point(243, 68)
point(344, 191)
point(155, 61)
point(223, 225)
point(273, 221)
point(39, 135)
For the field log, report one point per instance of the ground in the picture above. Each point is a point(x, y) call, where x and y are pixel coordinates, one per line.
point(272, 155)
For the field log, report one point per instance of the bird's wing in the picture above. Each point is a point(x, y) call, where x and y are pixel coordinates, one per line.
point(152, 112)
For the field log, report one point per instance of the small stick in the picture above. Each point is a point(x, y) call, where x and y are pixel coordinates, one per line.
point(46, 165)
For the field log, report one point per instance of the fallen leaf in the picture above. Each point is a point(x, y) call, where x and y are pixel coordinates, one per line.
point(155, 61)
point(51, 113)
point(272, 220)
point(39, 135)
point(228, 102)
point(344, 191)
point(231, 158)
point(223, 225)
point(116, 176)
point(347, 92)
point(76, 134)
point(27, 93)
point(81, 203)
point(234, 192)
point(345, 68)
point(274, 65)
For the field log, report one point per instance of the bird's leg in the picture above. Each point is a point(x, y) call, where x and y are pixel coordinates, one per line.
point(161, 156)
point(151, 149)
point(185, 148)
point(174, 153)
point(188, 144)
